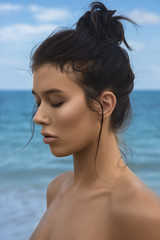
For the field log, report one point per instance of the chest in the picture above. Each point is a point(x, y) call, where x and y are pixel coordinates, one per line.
point(76, 218)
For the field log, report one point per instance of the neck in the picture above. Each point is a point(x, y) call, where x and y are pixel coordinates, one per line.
point(108, 163)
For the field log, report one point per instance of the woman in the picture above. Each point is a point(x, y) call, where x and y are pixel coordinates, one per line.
point(82, 80)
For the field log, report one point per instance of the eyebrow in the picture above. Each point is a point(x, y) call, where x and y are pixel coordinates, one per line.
point(53, 90)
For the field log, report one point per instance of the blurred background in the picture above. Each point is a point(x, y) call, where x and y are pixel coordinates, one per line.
point(24, 175)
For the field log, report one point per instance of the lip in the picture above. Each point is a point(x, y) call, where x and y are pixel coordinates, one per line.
point(48, 137)
point(48, 140)
point(47, 134)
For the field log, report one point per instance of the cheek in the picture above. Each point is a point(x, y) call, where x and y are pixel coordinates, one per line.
point(77, 126)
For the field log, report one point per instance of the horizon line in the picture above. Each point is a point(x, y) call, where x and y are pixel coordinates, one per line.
point(137, 89)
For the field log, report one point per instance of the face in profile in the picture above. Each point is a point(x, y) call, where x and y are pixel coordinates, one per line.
point(63, 114)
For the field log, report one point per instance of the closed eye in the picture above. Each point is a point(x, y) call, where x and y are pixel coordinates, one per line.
point(53, 105)
point(57, 104)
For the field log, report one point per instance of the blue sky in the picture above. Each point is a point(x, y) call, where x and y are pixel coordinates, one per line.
point(23, 24)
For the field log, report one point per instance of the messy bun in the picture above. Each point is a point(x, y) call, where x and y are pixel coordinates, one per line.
point(93, 51)
point(101, 23)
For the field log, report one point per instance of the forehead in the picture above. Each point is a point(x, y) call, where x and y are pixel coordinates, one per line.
point(48, 77)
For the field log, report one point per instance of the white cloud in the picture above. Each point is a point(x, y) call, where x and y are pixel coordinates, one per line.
point(23, 31)
point(49, 14)
point(40, 13)
point(10, 7)
point(144, 17)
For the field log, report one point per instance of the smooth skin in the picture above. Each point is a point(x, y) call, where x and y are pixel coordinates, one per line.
point(113, 204)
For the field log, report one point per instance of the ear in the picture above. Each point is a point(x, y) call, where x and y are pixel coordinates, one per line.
point(108, 101)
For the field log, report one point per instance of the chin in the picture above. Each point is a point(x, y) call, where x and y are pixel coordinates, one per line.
point(59, 152)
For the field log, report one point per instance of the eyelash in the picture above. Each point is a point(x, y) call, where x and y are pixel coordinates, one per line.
point(53, 105)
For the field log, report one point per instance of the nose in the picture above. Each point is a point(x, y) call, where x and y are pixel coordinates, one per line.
point(41, 117)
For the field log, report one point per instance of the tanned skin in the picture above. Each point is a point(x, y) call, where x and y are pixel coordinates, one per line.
point(113, 204)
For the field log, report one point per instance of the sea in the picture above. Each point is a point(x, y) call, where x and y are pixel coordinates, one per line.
point(25, 172)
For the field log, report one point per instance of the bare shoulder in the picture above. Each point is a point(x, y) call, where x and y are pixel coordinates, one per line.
point(138, 213)
point(55, 185)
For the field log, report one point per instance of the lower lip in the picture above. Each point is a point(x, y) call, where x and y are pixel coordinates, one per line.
point(48, 140)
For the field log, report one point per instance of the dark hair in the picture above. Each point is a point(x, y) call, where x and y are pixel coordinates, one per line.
point(93, 51)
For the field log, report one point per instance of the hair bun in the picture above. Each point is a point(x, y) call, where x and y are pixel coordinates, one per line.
point(111, 12)
point(101, 23)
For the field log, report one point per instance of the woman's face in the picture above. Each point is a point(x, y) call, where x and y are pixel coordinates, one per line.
point(74, 124)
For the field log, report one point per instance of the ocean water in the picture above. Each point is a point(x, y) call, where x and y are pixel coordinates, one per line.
point(24, 175)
